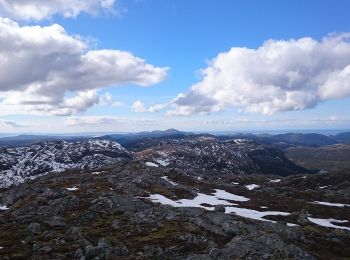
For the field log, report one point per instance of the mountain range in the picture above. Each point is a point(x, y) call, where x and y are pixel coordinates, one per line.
point(174, 195)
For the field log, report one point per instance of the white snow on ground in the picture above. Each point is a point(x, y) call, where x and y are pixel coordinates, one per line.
point(328, 222)
point(275, 180)
point(221, 194)
point(254, 214)
point(263, 207)
point(1, 247)
point(163, 162)
point(195, 202)
point(217, 199)
point(4, 207)
point(322, 187)
point(95, 173)
point(167, 179)
point(292, 225)
point(151, 164)
point(252, 186)
point(340, 205)
point(235, 183)
point(73, 188)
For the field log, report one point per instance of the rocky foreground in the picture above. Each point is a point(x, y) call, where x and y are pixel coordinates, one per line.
point(134, 210)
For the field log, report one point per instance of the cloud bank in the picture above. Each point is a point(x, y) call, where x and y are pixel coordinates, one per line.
point(44, 9)
point(40, 65)
point(279, 76)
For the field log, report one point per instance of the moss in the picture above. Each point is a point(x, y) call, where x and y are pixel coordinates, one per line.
point(156, 189)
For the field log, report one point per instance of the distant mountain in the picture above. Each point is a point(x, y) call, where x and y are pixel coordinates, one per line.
point(20, 163)
point(132, 139)
point(304, 139)
point(208, 154)
point(283, 141)
point(23, 140)
point(327, 158)
point(342, 137)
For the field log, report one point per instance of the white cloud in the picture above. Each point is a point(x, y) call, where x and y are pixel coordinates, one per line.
point(45, 9)
point(278, 76)
point(78, 103)
point(40, 65)
point(12, 124)
point(108, 100)
point(139, 107)
point(105, 120)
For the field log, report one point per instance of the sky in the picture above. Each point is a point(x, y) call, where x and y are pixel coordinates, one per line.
point(73, 66)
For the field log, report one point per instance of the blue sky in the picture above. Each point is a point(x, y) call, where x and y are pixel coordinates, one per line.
point(185, 36)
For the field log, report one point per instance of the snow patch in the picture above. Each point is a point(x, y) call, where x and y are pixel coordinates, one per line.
point(163, 162)
point(171, 182)
point(195, 202)
point(292, 225)
point(340, 205)
point(252, 186)
point(328, 222)
point(221, 194)
point(73, 188)
point(218, 198)
point(322, 187)
point(4, 207)
point(275, 180)
point(151, 164)
point(254, 214)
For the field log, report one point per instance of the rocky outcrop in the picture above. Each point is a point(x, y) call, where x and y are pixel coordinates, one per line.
point(21, 163)
point(108, 214)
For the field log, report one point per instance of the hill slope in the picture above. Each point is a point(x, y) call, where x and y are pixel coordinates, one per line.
point(20, 163)
point(208, 154)
point(133, 211)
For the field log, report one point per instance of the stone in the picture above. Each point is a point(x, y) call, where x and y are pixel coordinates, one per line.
point(34, 228)
point(219, 208)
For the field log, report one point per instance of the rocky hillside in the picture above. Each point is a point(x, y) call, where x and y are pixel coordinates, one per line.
point(20, 163)
point(130, 210)
point(208, 154)
point(196, 154)
point(326, 158)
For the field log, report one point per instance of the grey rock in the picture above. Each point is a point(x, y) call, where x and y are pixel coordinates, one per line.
point(79, 253)
point(219, 208)
point(46, 249)
point(121, 250)
point(152, 251)
point(115, 224)
point(34, 228)
point(55, 223)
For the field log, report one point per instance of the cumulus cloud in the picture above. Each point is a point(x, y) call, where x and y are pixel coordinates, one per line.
point(139, 107)
point(43, 9)
point(281, 75)
point(108, 100)
point(40, 65)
